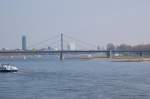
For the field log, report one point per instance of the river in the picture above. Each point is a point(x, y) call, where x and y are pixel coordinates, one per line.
point(76, 79)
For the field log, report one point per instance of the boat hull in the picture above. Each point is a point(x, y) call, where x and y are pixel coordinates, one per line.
point(5, 71)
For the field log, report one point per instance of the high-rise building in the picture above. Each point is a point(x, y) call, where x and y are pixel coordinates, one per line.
point(24, 43)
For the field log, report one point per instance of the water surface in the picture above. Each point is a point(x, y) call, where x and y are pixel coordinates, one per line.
point(76, 79)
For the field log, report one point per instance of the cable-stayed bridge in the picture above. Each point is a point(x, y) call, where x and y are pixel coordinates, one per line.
point(59, 45)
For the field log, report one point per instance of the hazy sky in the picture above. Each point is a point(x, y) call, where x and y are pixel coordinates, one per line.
point(95, 21)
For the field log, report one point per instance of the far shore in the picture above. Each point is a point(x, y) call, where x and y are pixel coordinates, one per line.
point(119, 59)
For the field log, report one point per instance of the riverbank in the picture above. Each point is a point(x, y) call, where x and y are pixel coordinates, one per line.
point(119, 59)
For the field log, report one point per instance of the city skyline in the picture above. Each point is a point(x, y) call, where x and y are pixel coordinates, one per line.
point(95, 21)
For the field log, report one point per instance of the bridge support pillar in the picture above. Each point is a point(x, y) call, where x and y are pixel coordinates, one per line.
point(61, 46)
point(61, 55)
point(141, 54)
point(109, 54)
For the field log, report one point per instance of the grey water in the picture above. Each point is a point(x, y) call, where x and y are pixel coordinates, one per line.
point(76, 79)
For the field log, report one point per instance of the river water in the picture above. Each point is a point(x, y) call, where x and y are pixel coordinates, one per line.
point(76, 79)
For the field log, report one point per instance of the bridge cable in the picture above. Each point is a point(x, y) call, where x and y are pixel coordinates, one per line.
point(80, 41)
point(41, 42)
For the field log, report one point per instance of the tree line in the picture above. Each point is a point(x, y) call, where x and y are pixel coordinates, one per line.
point(111, 46)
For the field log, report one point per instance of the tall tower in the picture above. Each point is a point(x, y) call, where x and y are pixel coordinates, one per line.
point(24, 43)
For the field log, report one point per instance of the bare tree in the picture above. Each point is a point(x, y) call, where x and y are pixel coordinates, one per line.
point(110, 46)
point(124, 47)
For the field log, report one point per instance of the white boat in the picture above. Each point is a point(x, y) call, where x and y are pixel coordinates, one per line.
point(8, 68)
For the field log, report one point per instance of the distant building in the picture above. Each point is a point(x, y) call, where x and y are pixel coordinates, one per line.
point(51, 49)
point(71, 46)
point(98, 48)
point(3, 49)
point(24, 43)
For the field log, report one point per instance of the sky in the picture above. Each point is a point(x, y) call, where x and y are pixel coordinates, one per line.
point(95, 21)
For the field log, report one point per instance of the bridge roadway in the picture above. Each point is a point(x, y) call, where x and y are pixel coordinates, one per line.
point(29, 52)
point(60, 53)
